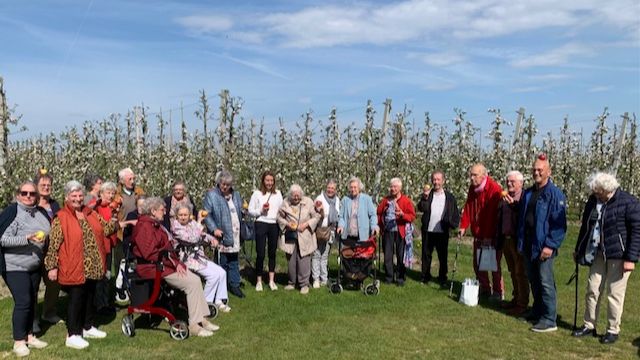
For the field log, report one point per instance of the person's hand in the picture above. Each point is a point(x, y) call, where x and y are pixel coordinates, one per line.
point(339, 230)
point(181, 269)
point(37, 236)
point(508, 199)
point(399, 212)
point(628, 266)
point(53, 274)
point(217, 233)
point(292, 226)
point(461, 232)
point(215, 242)
point(546, 253)
point(376, 231)
point(302, 227)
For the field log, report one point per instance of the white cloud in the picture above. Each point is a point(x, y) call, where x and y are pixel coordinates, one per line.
point(203, 24)
point(601, 88)
point(548, 77)
point(257, 65)
point(553, 57)
point(442, 59)
point(529, 89)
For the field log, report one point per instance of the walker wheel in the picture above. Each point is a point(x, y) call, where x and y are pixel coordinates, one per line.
point(213, 311)
point(127, 326)
point(336, 288)
point(371, 289)
point(179, 330)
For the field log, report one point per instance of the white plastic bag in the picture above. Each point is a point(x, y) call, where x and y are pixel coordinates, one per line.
point(486, 257)
point(469, 293)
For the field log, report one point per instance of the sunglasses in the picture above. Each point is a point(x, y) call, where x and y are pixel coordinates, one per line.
point(28, 193)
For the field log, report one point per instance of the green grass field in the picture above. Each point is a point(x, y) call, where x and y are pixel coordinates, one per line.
point(413, 322)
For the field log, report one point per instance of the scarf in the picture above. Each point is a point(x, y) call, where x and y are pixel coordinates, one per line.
point(480, 187)
point(333, 214)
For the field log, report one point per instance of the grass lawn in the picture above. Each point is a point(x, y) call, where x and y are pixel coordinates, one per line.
point(413, 322)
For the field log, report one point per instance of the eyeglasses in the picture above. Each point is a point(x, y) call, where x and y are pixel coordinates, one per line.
point(28, 193)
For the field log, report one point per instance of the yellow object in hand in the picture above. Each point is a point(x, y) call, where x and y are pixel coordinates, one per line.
point(40, 235)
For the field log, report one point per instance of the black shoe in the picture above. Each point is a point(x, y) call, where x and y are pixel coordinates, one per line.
point(237, 292)
point(443, 281)
point(401, 283)
point(388, 281)
point(584, 331)
point(426, 279)
point(609, 338)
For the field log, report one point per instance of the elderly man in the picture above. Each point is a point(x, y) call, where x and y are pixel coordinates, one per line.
point(395, 211)
point(357, 218)
point(126, 194)
point(439, 215)
point(479, 213)
point(609, 242)
point(507, 241)
point(541, 229)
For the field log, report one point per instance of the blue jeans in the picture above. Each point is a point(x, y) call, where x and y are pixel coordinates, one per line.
point(229, 262)
point(543, 288)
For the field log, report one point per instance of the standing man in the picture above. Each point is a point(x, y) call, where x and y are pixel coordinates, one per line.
point(507, 242)
point(479, 213)
point(541, 230)
point(394, 213)
point(439, 215)
point(126, 194)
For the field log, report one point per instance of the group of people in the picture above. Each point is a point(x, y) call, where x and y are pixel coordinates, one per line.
point(77, 247)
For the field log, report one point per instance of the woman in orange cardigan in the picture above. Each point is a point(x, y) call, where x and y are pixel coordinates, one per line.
point(76, 259)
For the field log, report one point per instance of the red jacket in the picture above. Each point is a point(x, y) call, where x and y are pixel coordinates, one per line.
point(149, 239)
point(107, 213)
point(408, 213)
point(481, 210)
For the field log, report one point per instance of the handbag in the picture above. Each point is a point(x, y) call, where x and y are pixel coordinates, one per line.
point(486, 258)
point(247, 231)
point(469, 293)
point(323, 234)
point(291, 236)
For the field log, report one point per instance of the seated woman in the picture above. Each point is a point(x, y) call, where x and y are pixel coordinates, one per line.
point(150, 239)
point(191, 232)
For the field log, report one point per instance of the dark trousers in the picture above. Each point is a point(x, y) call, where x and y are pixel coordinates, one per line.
point(103, 289)
point(266, 236)
point(439, 241)
point(393, 241)
point(229, 262)
point(81, 308)
point(24, 289)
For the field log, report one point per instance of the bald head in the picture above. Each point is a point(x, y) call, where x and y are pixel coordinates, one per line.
point(477, 174)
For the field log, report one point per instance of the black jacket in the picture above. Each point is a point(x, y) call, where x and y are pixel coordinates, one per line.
point(167, 204)
point(619, 227)
point(515, 208)
point(450, 215)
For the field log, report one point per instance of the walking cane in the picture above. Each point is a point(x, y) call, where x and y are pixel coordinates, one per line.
point(455, 265)
point(574, 277)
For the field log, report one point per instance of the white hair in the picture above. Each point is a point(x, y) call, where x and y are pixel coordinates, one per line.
point(109, 185)
point(72, 186)
point(124, 172)
point(357, 180)
point(151, 204)
point(224, 176)
point(396, 180)
point(295, 188)
point(603, 181)
point(517, 174)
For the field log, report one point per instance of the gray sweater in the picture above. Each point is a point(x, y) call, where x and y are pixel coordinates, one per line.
point(21, 254)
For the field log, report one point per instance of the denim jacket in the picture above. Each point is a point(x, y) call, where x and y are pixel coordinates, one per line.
point(551, 220)
point(219, 216)
point(367, 218)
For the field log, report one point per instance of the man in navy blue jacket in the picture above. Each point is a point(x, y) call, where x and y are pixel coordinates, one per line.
point(541, 230)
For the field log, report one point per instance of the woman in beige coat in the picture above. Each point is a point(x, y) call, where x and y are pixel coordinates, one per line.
point(297, 220)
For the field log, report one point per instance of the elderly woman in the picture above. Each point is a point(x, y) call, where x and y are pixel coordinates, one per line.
point(44, 181)
point(76, 260)
point(23, 228)
point(224, 208)
point(328, 205)
point(92, 182)
point(298, 219)
point(357, 218)
point(188, 233)
point(264, 205)
point(178, 196)
point(106, 207)
point(150, 241)
point(609, 242)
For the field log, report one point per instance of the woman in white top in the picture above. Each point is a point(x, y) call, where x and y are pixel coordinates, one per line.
point(264, 205)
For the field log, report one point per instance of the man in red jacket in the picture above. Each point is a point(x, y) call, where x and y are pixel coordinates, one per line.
point(394, 212)
point(480, 213)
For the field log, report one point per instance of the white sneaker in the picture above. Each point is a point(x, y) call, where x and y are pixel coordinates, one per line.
point(289, 287)
point(323, 283)
point(76, 342)
point(36, 343)
point(273, 286)
point(94, 333)
point(224, 307)
point(259, 286)
point(21, 349)
point(304, 290)
point(316, 284)
point(209, 326)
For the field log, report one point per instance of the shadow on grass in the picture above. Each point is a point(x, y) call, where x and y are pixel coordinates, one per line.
point(636, 343)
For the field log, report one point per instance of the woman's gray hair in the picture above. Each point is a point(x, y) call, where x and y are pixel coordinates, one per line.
point(124, 172)
point(72, 186)
point(395, 180)
point(224, 176)
point(331, 181)
point(517, 174)
point(356, 179)
point(603, 181)
point(295, 188)
point(109, 185)
point(150, 204)
point(180, 206)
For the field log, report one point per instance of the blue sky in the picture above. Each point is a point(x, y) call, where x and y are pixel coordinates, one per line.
point(66, 61)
